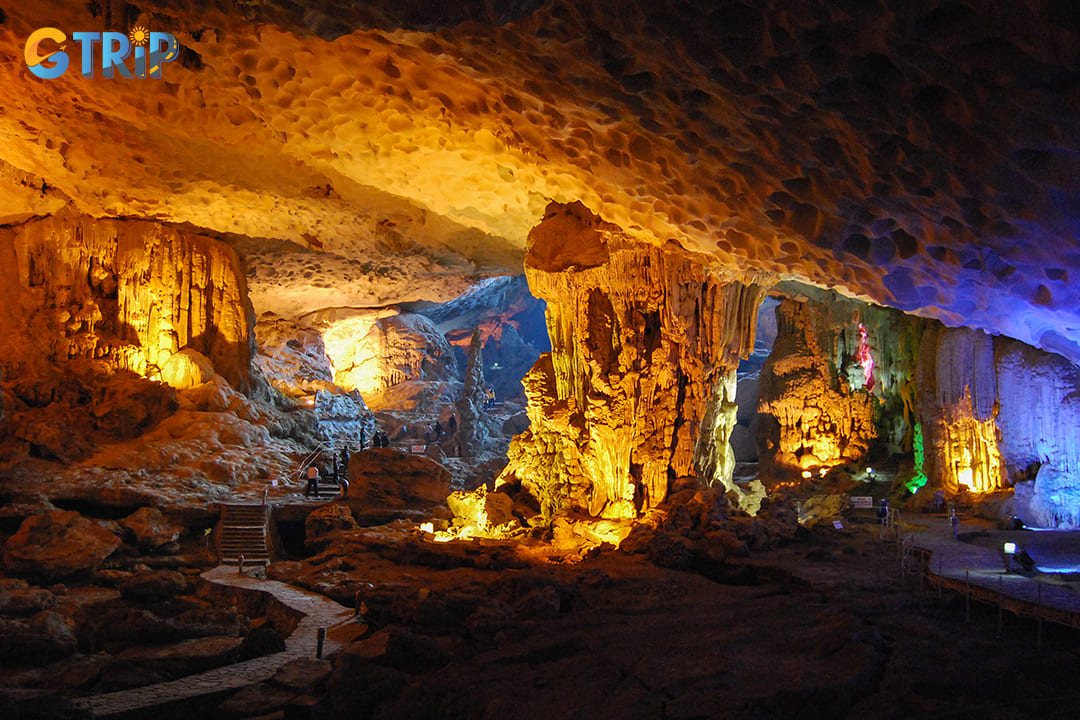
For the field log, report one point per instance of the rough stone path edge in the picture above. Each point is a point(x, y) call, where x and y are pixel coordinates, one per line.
point(319, 611)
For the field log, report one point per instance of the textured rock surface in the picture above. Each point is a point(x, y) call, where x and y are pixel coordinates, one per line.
point(921, 154)
point(325, 520)
point(57, 544)
point(389, 478)
point(292, 357)
point(639, 385)
point(373, 353)
point(151, 528)
point(128, 293)
point(811, 418)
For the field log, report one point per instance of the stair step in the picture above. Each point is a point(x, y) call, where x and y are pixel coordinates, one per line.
point(243, 533)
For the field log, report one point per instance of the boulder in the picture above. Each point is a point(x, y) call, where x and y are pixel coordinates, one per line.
point(185, 658)
point(384, 477)
point(256, 700)
point(44, 638)
point(27, 601)
point(482, 510)
point(57, 544)
point(413, 653)
point(326, 520)
point(186, 369)
point(303, 675)
point(150, 528)
point(153, 585)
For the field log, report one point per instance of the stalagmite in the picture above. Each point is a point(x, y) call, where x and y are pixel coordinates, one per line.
point(470, 407)
point(645, 340)
point(812, 418)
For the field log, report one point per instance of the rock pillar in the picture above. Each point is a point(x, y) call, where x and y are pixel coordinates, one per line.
point(645, 340)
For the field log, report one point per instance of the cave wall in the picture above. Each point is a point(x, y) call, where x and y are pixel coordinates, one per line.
point(993, 412)
point(639, 386)
point(811, 415)
point(130, 294)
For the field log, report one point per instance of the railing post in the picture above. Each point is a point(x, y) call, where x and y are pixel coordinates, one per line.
point(967, 596)
point(240, 566)
point(1038, 617)
point(1001, 580)
point(320, 638)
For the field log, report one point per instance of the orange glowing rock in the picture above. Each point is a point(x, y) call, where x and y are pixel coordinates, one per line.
point(644, 343)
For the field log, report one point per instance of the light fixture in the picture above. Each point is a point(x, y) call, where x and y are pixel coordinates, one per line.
point(1010, 550)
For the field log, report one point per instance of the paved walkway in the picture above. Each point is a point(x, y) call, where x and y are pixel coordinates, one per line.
point(977, 565)
point(319, 611)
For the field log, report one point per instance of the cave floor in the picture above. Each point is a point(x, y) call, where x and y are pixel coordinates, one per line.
point(829, 626)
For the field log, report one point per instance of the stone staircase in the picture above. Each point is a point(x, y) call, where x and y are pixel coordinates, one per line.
point(243, 533)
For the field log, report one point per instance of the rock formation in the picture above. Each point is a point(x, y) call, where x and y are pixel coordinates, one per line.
point(812, 417)
point(129, 293)
point(386, 478)
point(58, 544)
point(845, 378)
point(470, 406)
point(639, 386)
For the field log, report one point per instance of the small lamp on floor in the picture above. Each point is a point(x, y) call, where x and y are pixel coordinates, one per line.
point(1010, 550)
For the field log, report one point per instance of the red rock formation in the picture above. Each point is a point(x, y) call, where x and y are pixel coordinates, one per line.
point(639, 385)
point(57, 544)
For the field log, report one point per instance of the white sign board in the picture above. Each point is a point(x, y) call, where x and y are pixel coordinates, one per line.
point(859, 501)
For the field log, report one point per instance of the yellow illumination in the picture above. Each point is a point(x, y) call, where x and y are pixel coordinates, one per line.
point(968, 451)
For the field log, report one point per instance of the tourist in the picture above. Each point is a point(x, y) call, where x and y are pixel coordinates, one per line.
point(312, 482)
point(344, 485)
point(954, 520)
point(452, 424)
point(438, 431)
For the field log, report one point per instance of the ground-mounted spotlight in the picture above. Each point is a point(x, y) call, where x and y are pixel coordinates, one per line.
point(1009, 550)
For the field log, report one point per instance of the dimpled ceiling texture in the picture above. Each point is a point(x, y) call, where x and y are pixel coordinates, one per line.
point(920, 154)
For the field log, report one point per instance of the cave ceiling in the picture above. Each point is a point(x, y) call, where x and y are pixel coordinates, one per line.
point(920, 154)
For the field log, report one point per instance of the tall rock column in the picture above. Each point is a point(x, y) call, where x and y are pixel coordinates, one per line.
point(470, 408)
point(644, 343)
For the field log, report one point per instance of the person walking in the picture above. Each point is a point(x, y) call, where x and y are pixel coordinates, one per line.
point(312, 482)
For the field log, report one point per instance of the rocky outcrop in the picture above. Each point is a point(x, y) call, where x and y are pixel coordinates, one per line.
point(326, 520)
point(372, 352)
point(150, 529)
point(996, 411)
point(812, 416)
point(638, 388)
point(57, 544)
point(472, 426)
point(129, 293)
point(292, 356)
point(385, 477)
point(343, 419)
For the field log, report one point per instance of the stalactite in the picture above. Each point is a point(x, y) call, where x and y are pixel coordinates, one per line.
point(129, 293)
point(812, 419)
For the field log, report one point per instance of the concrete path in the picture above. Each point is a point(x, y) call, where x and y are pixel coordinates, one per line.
point(978, 562)
point(319, 611)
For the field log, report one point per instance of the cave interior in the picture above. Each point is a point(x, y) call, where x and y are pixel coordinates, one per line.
point(547, 271)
